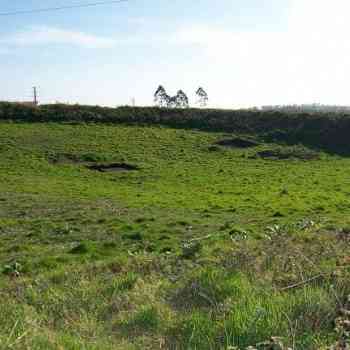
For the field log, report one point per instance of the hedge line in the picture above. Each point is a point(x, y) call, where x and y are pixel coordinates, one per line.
point(329, 131)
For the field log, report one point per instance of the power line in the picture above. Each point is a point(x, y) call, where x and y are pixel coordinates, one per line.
point(67, 7)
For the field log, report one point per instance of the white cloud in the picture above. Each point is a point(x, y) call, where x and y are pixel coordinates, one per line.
point(38, 36)
point(308, 62)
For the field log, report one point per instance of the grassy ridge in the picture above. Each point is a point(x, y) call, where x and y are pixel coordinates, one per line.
point(328, 131)
point(194, 250)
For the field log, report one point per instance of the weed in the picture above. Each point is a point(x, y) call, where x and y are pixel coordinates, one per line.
point(81, 248)
point(145, 320)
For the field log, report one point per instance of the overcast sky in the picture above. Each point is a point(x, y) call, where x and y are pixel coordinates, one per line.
point(243, 52)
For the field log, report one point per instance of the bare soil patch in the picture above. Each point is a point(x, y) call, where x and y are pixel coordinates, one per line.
point(113, 167)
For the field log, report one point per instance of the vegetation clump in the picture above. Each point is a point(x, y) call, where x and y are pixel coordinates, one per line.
point(134, 236)
point(81, 248)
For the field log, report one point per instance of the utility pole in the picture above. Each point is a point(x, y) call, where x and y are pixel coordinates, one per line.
point(35, 96)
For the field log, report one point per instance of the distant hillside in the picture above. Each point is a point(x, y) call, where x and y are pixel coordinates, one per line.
point(328, 131)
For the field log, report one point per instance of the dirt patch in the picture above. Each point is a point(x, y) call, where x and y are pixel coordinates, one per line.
point(284, 154)
point(112, 167)
point(237, 142)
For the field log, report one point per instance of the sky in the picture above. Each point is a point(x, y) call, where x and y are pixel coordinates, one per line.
point(242, 52)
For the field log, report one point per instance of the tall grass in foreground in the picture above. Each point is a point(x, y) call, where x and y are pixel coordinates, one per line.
point(249, 314)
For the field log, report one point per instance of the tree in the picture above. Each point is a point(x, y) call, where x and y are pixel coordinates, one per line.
point(202, 97)
point(172, 103)
point(181, 100)
point(161, 98)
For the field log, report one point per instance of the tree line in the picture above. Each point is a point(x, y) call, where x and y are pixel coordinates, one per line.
point(180, 100)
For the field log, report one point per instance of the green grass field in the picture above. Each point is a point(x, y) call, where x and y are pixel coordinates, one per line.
point(202, 247)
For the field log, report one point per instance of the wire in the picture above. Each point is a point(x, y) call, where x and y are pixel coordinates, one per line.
point(49, 9)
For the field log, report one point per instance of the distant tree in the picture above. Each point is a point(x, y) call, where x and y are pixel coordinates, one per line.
point(173, 103)
point(161, 98)
point(181, 100)
point(202, 97)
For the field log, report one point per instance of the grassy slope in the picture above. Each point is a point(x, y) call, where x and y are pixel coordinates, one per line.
point(104, 260)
